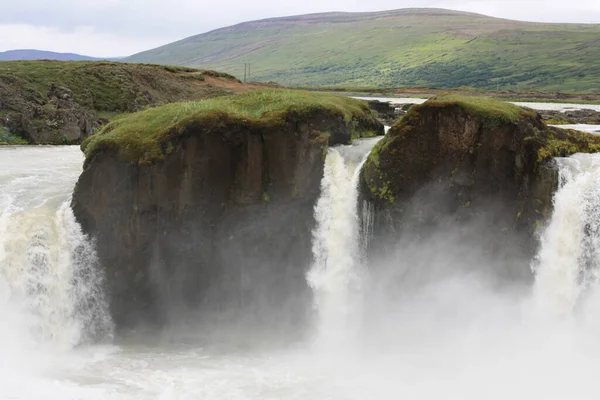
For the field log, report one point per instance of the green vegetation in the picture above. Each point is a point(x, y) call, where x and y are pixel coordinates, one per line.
point(401, 48)
point(145, 137)
point(8, 138)
point(36, 107)
point(562, 143)
point(557, 121)
point(398, 158)
point(108, 86)
point(492, 112)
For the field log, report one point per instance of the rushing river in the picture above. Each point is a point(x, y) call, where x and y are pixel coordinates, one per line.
point(457, 337)
point(533, 105)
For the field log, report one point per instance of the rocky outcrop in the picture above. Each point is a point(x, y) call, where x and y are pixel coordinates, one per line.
point(213, 218)
point(59, 121)
point(63, 102)
point(385, 111)
point(56, 119)
point(584, 116)
point(458, 162)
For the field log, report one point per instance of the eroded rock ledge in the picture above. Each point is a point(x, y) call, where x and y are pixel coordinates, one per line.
point(204, 210)
point(459, 161)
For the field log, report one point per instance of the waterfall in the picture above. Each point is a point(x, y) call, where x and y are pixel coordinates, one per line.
point(51, 293)
point(336, 274)
point(568, 264)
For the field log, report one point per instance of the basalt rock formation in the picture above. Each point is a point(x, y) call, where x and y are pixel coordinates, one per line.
point(457, 162)
point(205, 210)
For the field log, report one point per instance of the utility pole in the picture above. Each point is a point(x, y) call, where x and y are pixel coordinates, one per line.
point(248, 71)
point(245, 71)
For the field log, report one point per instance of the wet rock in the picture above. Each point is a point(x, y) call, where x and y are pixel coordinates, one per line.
point(458, 162)
point(215, 223)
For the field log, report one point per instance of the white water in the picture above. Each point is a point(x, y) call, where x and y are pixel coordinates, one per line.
point(569, 260)
point(51, 297)
point(536, 106)
point(336, 274)
point(581, 127)
point(451, 338)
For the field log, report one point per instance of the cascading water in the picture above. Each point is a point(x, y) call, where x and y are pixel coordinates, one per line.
point(568, 264)
point(51, 296)
point(455, 337)
point(336, 274)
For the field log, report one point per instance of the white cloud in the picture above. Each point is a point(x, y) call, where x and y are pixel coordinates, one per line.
point(121, 27)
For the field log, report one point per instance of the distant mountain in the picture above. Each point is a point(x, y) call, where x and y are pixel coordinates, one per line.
point(398, 48)
point(17, 55)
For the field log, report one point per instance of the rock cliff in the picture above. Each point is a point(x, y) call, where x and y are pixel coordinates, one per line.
point(205, 210)
point(60, 120)
point(456, 161)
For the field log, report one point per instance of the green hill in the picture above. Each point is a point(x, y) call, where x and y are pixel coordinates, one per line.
point(400, 48)
point(63, 102)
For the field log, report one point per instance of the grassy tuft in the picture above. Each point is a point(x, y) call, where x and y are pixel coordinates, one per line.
point(491, 111)
point(142, 137)
point(562, 143)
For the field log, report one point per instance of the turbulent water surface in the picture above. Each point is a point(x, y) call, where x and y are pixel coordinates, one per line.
point(374, 337)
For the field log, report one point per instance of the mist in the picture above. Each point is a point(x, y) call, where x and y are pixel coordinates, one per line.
point(445, 308)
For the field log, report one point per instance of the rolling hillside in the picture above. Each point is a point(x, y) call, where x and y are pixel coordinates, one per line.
point(408, 47)
point(24, 55)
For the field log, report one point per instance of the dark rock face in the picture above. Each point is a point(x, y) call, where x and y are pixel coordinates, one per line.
point(341, 131)
point(445, 169)
point(55, 120)
point(384, 109)
point(386, 112)
point(220, 229)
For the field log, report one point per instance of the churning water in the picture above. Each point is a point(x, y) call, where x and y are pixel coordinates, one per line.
point(374, 336)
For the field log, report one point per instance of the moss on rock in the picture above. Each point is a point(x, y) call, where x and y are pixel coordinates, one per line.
point(478, 150)
point(141, 137)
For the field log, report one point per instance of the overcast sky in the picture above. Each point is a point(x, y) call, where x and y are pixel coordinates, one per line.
point(107, 28)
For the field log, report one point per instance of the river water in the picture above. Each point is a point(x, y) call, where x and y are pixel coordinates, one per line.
point(456, 337)
point(533, 105)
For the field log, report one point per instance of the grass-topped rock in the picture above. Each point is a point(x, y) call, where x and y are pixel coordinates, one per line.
point(466, 157)
point(215, 199)
point(63, 102)
point(149, 136)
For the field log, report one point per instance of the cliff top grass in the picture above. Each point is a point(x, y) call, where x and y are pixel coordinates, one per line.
point(108, 86)
point(493, 112)
point(144, 137)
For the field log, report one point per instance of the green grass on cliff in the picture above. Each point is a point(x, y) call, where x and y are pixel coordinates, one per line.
point(398, 48)
point(106, 86)
point(554, 142)
point(491, 111)
point(144, 137)
point(381, 168)
point(388, 166)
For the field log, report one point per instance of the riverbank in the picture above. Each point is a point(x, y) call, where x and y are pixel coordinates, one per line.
point(506, 95)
